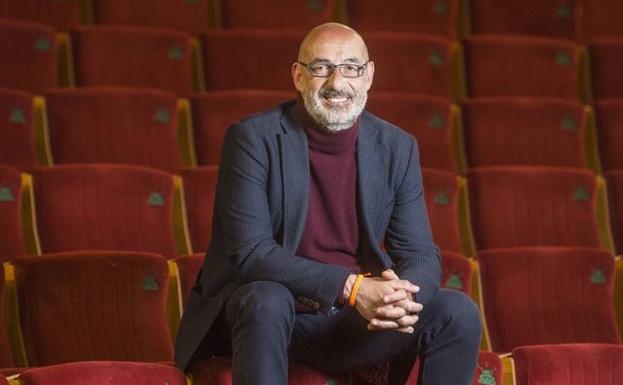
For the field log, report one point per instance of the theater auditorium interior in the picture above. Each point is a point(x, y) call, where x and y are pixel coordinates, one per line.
point(112, 117)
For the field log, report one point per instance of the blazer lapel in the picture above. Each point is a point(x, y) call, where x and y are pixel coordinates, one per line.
point(294, 152)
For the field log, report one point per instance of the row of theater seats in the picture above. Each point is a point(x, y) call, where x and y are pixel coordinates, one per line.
point(570, 19)
point(156, 129)
point(491, 65)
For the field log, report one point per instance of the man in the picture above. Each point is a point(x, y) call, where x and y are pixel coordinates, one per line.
point(307, 194)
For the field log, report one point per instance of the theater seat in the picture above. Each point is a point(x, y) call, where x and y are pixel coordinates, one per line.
point(609, 116)
point(606, 61)
point(6, 355)
point(109, 207)
point(489, 371)
point(591, 364)
point(529, 131)
point(457, 272)
point(61, 15)
point(435, 122)
point(117, 125)
point(433, 17)
point(614, 180)
point(191, 16)
point(29, 57)
point(199, 193)
point(93, 305)
point(17, 129)
point(188, 267)
point(537, 206)
point(215, 111)
point(531, 296)
point(554, 18)
point(103, 373)
point(600, 18)
point(108, 56)
point(276, 14)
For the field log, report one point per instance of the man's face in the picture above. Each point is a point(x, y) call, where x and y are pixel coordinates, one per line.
point(336, 101)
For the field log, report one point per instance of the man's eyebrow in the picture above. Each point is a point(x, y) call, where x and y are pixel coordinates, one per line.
point(320, 60)
point(351, 60)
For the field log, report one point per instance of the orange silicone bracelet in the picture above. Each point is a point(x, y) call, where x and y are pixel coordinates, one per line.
point(355, 290)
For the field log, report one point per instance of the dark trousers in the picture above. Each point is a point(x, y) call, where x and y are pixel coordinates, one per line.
point(266, 332)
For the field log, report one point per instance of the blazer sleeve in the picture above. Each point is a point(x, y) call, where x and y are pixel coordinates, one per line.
point(408, 238)
point(247, 227)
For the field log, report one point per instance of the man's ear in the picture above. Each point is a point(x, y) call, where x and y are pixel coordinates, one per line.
point(297, 76)
point(369, 75)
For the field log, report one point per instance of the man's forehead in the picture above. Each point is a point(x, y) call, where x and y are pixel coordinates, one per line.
point(342, 48)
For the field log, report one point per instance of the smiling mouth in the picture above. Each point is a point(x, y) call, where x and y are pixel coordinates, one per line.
point(336, 100)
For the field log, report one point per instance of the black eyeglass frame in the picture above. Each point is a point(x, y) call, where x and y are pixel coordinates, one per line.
point(360, 71)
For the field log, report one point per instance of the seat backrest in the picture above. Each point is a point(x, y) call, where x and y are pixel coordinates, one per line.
point(199, 193)
point(600, 18)
point(276, 14)
point(457, 272)
point(12, 242)
point(62, 15)
point(606, 56)
point(108, 56)
point(531, 296)
point(609, 117)
point(91, 305)
point(114, 125)
point(614, 179)
point(188, 267)
point(17, 132)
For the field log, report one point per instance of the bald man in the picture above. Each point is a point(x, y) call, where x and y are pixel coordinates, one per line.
point(307, 192)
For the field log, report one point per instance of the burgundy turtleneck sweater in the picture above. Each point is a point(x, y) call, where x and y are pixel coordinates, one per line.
point(331, 233)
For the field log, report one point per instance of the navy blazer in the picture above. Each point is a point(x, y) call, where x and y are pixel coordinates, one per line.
point(261, 204)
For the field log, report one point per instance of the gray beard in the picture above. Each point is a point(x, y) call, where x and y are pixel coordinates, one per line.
point(331, 120)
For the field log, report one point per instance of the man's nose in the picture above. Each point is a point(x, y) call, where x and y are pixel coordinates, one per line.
point(335, 77)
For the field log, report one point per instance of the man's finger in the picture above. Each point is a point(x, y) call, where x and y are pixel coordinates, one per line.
point(391, 311)
point(404, 285)
point(389, 275)
point(409, 305)
point(382, 324)
point(407, 329)
point(398, 295)
point(407, 320)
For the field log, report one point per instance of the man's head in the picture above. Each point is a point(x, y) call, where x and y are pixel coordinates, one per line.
point(333, 75)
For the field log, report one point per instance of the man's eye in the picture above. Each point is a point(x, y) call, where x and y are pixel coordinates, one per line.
point(352, 68)
point(320, 68)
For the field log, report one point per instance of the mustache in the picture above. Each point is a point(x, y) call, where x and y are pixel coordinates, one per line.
point(333, 93)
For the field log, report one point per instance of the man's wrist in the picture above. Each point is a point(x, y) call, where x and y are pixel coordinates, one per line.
point(348, 286)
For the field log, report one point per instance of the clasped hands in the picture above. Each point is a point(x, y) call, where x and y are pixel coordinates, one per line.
point(386, 302)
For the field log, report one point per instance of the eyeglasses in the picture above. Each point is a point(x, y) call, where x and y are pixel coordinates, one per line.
point(324, 70)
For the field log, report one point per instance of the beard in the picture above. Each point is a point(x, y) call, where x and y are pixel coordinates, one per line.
point(334, 118)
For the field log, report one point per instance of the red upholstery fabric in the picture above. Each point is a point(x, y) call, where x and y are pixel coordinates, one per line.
point(163, 60)
point(488, 371)
point(200, 191)
point(104, 207)
point(103, 373)
point(243, 59)
point(533, 206)
point(17, 142)
point(521, 66)
point(606, 62)
point(441, 193)
point(11, 237)
point(183, 15)
point(58, 14)
point(91, 305)
point(429, 119)
point(615, 203)
point(406, 62)
point(213, 113)
point(524, 131)
point(586, 364)
point(217, 371)
point(114, 125)
point(609, 116)
point(525, 17)
point(32, 49)
point(532, 295)
point(601, 18)
point(188, 267)
point(457, 272)
point(276, 14)
point(428, 16)
point(6, 357)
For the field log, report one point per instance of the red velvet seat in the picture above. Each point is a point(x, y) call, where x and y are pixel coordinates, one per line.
point(435, 123)
point(457, 272)
point(6, 356)
point(12, 243)
point(443, 202)
point(429, 16)
point(276, 14)
point(58, 14)
point(244, 59)
point(527, 131)
point(103, 373)
point(535, 206)
point(184, 15)
point(590, 364)
point(418, 63)
point(600, 18)
point(17, 136)
point(556, 18)
point(532, 295)
point(213, 112)
point(199, 192)
point(499, 65)
point(609, 116)
point(93, 305)
point(614, 179)
point(29, 56)
point(188, 267)
point(114, 125)
point(107, 207)
point(108, 56)
point(606, 62)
